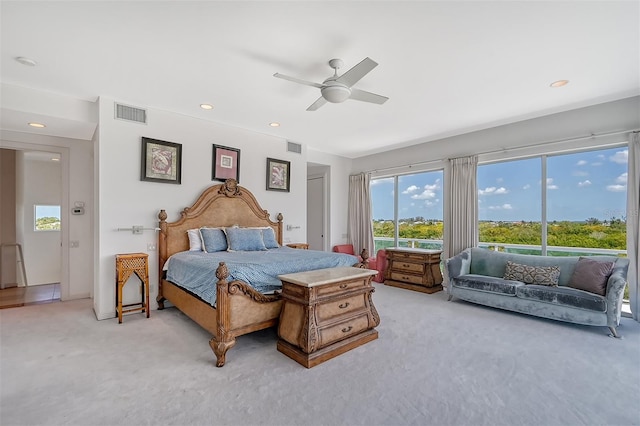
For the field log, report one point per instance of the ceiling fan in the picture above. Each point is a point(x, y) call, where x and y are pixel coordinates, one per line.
point(338, 89)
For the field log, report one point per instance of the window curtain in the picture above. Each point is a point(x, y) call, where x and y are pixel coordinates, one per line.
point(462, 218)
point(360, 232)
point(633, 219)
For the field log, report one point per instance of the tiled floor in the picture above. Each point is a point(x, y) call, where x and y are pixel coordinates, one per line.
point(19, 296)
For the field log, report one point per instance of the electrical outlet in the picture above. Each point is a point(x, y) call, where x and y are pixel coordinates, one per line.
point(74, 244)
point(151, 247)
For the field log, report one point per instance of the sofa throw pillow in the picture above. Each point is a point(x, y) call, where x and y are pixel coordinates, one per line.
point(541, 275)
point(244, 239)
point(591, 275)
point(213, 239)
point(195, 241)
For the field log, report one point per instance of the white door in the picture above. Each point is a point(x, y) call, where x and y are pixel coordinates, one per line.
point(315, 213)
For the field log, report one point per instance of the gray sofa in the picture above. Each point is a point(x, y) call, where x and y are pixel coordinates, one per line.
point(477, 275)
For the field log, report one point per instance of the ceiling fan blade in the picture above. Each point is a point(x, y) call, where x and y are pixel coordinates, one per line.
point(317, 104)
point(354, 75)
point(361, 95)
point(297, 80)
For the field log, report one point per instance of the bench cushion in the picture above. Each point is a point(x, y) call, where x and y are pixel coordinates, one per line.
point(488, 284)
point(563, 296)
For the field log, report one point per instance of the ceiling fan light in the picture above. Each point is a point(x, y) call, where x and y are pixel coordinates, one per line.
point(336, 94)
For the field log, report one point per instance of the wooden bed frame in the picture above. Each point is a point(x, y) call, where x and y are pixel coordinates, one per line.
point(239, 309)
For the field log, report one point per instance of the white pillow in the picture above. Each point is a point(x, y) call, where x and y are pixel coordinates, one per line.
point(195, 240)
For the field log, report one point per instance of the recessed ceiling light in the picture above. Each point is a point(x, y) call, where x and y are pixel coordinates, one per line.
point(559, 83)
point(274, 124)
point(38, 125)
point(26, 61)
point(206, 106)
point(55, 159)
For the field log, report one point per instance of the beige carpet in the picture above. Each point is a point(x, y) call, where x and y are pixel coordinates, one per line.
point(435, 363)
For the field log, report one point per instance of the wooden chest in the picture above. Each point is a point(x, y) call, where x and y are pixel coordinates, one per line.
point(325, 313)
point(414, 269)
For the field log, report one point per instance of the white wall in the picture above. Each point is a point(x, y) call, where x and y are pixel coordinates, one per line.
point(123, 200)
point(623, 115)
point(39, 183)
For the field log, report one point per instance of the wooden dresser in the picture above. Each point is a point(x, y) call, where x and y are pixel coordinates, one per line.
point(325, 313)
point(414, 269)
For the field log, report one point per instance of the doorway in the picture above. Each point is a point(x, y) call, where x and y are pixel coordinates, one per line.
point(33, 256)
point(317, 204)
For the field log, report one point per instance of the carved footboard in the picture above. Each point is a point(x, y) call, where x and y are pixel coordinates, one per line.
point(240, 309)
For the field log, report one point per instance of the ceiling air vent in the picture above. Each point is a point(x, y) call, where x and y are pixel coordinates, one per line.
point(129, 113)
point(294, 147)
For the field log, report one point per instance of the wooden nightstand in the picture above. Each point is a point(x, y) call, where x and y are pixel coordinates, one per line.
point(325, 313)
point(126, 265)
point(303, 246)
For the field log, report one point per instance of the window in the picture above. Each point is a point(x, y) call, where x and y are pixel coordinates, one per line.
point(408, 210)
point(509, 205)
point(46, 218)
point(580, 209)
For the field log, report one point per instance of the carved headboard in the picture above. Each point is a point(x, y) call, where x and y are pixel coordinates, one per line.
point(222, 205)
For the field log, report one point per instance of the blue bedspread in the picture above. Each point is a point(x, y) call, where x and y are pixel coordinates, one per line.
point(196, 271)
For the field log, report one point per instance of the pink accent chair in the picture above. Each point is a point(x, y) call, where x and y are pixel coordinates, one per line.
point(372, 260)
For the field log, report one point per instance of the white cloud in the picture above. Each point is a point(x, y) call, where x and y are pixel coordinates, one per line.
point(500, 180)
point(429, 192)
point(374, 182)
point(579, 173)
point(620, 157)
point(425, 195)
point(581, 163)
point(584, 183)
point(616, 188)
point(622, 179)
point(410, 189)
point(493, 190)
point(433, 187)
point(527, 186)
point(550, 184)
point(505, 206)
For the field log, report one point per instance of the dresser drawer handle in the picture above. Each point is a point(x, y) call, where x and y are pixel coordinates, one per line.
point(405, 265)
point(344, 305)
point(347, 329)
point(343, 285)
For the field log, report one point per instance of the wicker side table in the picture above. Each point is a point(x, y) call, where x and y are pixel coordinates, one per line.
point(126, 265)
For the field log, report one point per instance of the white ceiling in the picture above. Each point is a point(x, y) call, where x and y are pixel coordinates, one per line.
point(448, 67)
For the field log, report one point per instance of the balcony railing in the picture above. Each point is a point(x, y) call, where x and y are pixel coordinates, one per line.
point(383, 242)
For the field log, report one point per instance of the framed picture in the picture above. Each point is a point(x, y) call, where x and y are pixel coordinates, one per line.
point(161, 161)
point(226, 163)
point(278, 174)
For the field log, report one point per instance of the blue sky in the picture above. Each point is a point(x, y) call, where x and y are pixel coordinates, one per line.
point(47, 211)
point(579, 186)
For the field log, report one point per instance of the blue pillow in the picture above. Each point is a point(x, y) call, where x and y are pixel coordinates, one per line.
point(213, 239)
point(244, 239)
point(269, 238)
